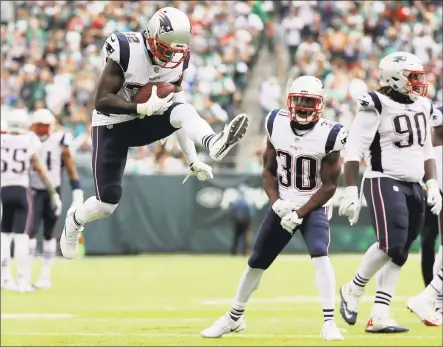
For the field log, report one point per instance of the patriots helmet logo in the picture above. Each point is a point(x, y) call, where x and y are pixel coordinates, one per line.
point(399, 58)
point(165, 23)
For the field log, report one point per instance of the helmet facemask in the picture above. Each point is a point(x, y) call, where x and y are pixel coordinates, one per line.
point(42, 130)
point(416, 84)
point(168, 56)
point(305, 108)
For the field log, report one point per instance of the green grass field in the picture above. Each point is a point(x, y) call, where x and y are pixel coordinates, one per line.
point(166, 300)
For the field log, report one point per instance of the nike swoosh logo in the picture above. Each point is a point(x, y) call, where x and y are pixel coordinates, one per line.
point(112, 39)
point(347, 314)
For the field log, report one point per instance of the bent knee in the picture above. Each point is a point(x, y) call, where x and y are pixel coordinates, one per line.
point(111, 194)
point(398, 254)
point(106, 209)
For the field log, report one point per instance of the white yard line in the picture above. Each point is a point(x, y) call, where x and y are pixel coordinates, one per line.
point(36, 316)
point(246, 336)
point(288, 299)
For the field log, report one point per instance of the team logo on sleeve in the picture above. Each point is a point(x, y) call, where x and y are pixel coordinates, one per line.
point(109, 48)
point(165, 23)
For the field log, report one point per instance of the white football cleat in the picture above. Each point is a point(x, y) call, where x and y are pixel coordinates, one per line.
point(330, 331)
point(224, 325)
point(70, 235)
point(349, 303)
point(229, 137)
point(43, 283)
point(10, 285)
point(423, 308)
point(24, 287)
point(384, 325)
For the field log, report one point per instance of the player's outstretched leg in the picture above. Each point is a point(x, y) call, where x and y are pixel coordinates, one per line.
point(422, 305)
point(271, 239)
point(380, 321)
point(91, 210)
point(351, 292)
point(199, 131)
point(233, 321)
point(8, 282)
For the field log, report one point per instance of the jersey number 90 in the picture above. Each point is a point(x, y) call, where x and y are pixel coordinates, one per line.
point(298, 172)
point(403, 127)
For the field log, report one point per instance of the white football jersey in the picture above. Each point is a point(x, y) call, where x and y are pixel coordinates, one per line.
point(299, 158)
point(393, 138)
point(130, 51)
point(17, 151)
point(437, 121)
point(51, 154)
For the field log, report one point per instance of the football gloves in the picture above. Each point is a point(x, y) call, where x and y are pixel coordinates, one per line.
point(154, 105)
point(290, 222)
point(434, 196)
point(283, 207)
point(350, 205)
point(201, 170)
point(56, 204)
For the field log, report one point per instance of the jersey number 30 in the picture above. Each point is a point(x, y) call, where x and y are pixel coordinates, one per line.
point(305, 176)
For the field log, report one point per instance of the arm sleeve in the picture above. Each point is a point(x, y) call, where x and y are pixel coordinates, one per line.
point(66, 140)
point(116, 47)
point(363, 128)
point(187, 146)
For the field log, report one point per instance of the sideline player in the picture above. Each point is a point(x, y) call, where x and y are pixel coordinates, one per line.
point(55, 152)
point(427, 306)
point(160, 54)
point(19, 149)
point(392, 130)
point(300, 175)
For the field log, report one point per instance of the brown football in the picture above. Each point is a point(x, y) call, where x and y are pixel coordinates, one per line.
point(163, 90)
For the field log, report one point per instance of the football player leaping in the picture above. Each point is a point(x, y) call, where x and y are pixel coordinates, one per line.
point(392, 130)
point(300, 176)
point(133, 59)
point(427, 306)
point(55, 151)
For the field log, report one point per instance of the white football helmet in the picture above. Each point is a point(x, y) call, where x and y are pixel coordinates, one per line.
point(403, 72)
point(17, 121)
point(306, 100)
point(168, 35)
point(43, 122)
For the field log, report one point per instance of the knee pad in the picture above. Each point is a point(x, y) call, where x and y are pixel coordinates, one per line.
point(182, 113)
point(111, 194)
point(398, 254)
point(258, 261)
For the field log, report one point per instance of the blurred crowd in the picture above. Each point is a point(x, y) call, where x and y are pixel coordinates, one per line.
point(51, 58)
point(342, 42)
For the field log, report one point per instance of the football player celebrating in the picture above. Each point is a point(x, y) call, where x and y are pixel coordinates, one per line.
point(132, 59)
point(54, 150)
point(19, 150)
point(423, 304)
point(300, 176)
point(392, 130)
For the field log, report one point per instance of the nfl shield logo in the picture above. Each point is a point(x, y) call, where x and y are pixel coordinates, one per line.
point(156, 69)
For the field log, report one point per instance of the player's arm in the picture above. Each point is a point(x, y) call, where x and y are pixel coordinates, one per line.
point(330, 173)
point(71, 170)
point(269, 173)
point(40, 168)
point(110, 82)
point(362, 133)
point(187, 146)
